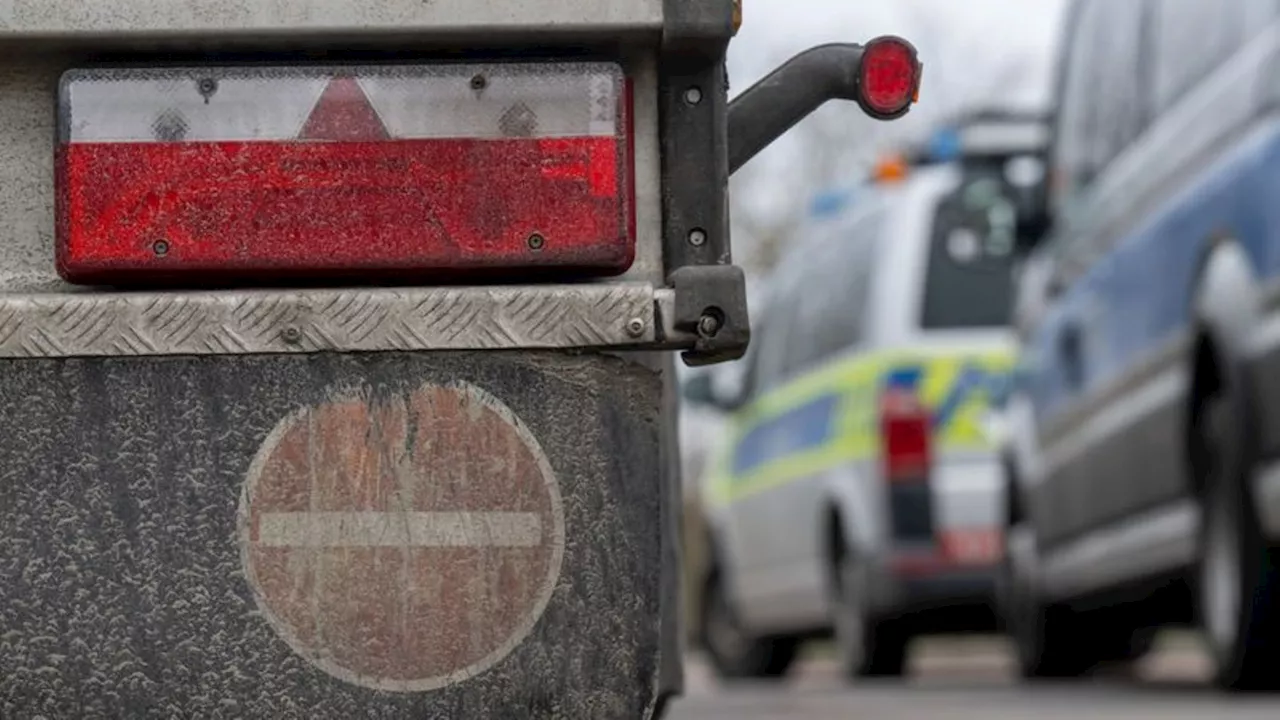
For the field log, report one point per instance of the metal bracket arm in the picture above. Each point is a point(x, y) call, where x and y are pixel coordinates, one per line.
point(787, 95)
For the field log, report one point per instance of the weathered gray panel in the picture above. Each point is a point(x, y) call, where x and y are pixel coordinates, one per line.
point(122, 592)
point(134, 17)
point(261, 321)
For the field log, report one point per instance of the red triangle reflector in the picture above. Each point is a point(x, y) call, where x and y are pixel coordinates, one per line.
point(343, 112)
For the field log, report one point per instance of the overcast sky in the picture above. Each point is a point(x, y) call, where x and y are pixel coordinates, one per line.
point(975, 53)
point(945, 31)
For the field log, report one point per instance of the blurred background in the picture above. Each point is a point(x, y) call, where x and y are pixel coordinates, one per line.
point(976, 55)
point(926, 492)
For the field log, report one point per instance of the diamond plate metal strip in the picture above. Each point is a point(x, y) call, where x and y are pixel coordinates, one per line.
point(235, 322)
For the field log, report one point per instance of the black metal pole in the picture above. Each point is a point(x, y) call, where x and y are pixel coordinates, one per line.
point(787, 95)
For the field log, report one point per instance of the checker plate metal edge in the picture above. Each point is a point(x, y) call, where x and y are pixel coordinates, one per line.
point(252, 322)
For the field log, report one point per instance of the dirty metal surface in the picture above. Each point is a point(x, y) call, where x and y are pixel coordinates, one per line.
point(232, 536)
point(262, 321)
point(44, 18)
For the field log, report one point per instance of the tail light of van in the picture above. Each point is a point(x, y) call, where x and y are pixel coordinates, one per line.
point(905, 430)
point(268, 173)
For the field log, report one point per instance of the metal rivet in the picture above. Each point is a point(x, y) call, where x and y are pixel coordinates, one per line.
point(697, 237)
point(635, 327)
point(536, 241)
point(207, 87)
point(160, 248)
point(693, 95)
point(709, 324)
point(479, 82)
point(291, 335)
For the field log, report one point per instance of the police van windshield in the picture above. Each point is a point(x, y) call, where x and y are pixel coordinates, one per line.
point(969, 278)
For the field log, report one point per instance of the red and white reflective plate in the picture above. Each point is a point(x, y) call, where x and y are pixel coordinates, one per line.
point(274, 173)
point(972, 546)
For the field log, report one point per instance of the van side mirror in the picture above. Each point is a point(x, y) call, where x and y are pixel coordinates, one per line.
point(699, 390)
point(714, 391)
point(732, 402)
point(1032, 228)
point(1027, 176)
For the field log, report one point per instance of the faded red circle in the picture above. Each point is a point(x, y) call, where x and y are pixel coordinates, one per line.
point(405, 542)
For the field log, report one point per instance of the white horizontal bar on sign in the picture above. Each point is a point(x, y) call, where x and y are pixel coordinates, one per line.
point(122, 18)
point(413, 102)
point(400, 529)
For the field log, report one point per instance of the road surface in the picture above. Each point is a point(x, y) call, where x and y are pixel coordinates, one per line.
point(972, 680)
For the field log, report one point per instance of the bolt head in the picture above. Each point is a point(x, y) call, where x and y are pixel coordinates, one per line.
point(708, 326)
point(635, 327)
point(693, 95)
point(697, 238)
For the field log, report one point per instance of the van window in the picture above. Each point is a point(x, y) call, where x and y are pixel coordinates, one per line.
point(1075, 119)
point(969, 275)
point(1119, 72)
point(771, 341)
point(1103, 104)
point(1192, 37)
point(834, 292)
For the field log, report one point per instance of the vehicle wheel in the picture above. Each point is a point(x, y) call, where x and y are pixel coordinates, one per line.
point(1239, 574)
point(734, 653)
point(1045, 637)
point(868, 646)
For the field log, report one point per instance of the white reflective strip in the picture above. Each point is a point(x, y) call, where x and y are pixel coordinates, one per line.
point(140, 110)
point(399, 529)
point(414, 102)
point(512, 104)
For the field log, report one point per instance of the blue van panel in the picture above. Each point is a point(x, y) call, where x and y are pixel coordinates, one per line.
point(1139, 295)
point(807, 427)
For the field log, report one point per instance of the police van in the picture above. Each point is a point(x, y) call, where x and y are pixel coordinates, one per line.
point(857, 491)
point(1144, 428)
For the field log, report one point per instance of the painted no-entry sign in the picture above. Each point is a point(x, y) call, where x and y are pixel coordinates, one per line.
point(402, 542)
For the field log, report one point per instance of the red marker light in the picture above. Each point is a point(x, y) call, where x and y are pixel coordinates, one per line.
point(889, 78)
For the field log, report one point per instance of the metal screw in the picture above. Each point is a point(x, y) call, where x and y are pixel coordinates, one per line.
point(635, 327)
point(479, 82)
point(291, 335)
point(536, 241)
point(207, 87)
point(708, 325)
point(693, 95)
point(697, 237)
point(160, 248)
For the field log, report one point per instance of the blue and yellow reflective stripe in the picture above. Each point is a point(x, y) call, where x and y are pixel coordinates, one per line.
point(829, 416)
